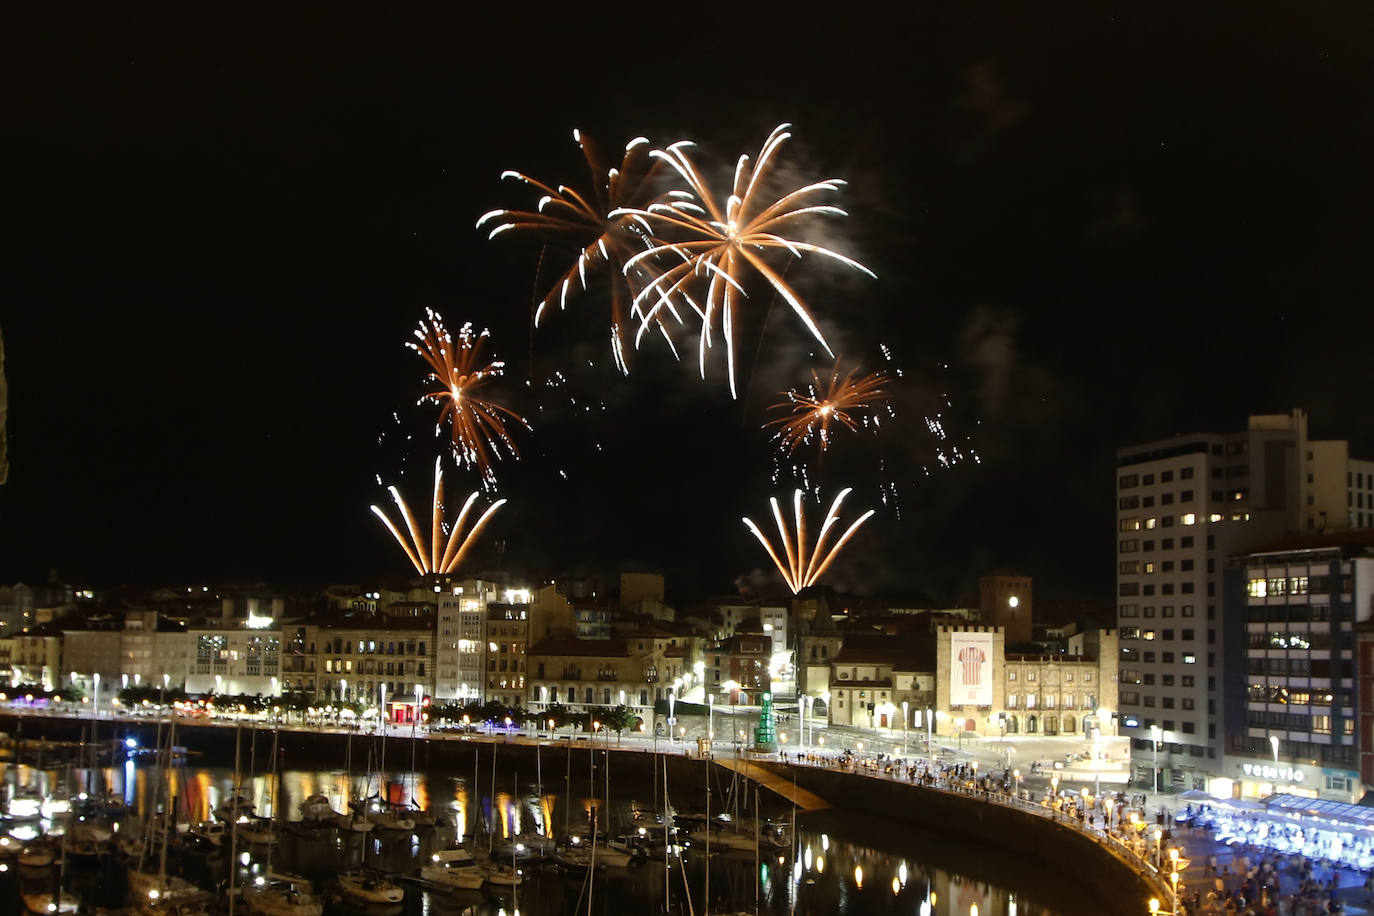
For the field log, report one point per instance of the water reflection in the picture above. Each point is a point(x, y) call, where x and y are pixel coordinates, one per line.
point(849, 867)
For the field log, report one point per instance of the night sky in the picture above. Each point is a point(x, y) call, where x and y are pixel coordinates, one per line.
point(1088, 230)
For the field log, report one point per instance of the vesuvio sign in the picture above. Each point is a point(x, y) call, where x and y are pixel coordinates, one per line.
point(1262, 771)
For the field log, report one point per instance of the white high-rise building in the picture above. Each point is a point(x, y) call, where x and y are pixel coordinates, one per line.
point(461, 611)
point(1184, 506)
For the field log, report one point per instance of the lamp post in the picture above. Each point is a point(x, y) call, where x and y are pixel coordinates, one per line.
point(95, 702)
point(1103, 715)
point(710, 716)
point(419, 698)
point(381, 688)
point(904, 726)
point(1154, 749)
point(930, 730)
point(1274, 744)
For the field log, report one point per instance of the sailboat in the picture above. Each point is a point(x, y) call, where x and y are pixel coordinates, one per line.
point(279, 895)
point(453, 869)
point(158, 893)
point(355, 821)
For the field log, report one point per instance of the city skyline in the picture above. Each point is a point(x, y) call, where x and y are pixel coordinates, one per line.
point(1085, 234)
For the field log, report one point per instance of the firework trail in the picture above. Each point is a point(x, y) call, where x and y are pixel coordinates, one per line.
point(438, 554)
point(802, 569)
point(718, 242)
point(837, 402)
point(603, 225)
point(478, 426)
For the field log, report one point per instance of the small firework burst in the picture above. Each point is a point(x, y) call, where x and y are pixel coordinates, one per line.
point(840, 401)
point(458, 370)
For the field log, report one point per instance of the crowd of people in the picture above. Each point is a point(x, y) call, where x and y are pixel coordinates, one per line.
point(1262, 856)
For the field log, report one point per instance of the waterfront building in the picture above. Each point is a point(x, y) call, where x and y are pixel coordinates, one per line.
point(1305, 602)
point(507, 638)
point(636, 669)
point(1184, 506)
point(737, 670)
point(234, 659)
point(151, 645)
point(873, 677)
point(461, 622)
point(374, 660)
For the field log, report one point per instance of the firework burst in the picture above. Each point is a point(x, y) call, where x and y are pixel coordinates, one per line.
point(801, 568)
point(718, 242)
point(443, 551)
point(478, 426)
point(815, 411)
point(601, 223)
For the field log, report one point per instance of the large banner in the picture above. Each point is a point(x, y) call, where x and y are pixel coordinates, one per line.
point(970, 669)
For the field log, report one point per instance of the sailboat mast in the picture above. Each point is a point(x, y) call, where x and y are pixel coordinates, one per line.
point(234, 821)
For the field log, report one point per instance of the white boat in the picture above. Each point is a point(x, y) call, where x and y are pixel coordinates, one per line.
point(212, 832)
point(353, 823)
point(361, 887)
point(281, 899)
point(38, 854)
point(258, 831)
point(501, 875)
point(235, 808)
point(149, 890)
point(44, 905)
point(454, 869)
point(391, 819)
point(317, 808)
point(523, 847)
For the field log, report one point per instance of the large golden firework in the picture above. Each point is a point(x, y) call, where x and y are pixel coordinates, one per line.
point(718, 240)
point(478, 426)
point(602, 224)
point(801, 568)
point(439, 554)
point(813, 412)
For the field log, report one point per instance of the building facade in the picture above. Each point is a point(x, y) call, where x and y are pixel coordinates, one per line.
point(1184, 506)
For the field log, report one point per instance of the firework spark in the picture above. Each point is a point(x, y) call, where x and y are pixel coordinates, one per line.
point(440, 554)
point(478, 426)
point(601, 224)
point(814, 412)
point(717, 242)
point(802, 569)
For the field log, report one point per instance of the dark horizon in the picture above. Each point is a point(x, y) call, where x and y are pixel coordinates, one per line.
point(1089, 230)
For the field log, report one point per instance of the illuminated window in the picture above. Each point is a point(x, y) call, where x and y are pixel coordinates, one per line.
point(1257, 588)
point(1130, 524)
point(1151, 523)
point(1214, 517)
point(1189, 518)
point(1189, 658)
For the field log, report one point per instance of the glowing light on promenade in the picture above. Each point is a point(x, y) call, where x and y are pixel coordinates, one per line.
point(801, 568)
point(478, 426)
point(838, 401)
point(443, 551)
point(599, 224)
point(719, 241)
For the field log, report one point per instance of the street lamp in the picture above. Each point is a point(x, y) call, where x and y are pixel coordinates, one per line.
point(710, 715)
point(1154, 749)
point(1103, 715)
point(1274, 743)
point(95, 704)
point(904, 724)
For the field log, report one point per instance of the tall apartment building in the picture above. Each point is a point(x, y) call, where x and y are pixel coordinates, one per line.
point(1184, 506)
point(1304, 602)
point(460, 637)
